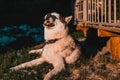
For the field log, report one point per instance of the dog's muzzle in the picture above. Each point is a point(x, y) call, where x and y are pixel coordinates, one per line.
point(49, 24)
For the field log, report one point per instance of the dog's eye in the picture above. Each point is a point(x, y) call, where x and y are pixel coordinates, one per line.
point(53, 17)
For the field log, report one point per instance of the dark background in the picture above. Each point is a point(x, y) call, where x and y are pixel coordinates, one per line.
point(31, 12)
point(21, 21)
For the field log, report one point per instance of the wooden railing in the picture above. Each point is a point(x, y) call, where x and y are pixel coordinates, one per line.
point(97, 12)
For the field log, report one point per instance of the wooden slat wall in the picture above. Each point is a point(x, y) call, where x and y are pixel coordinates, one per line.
point(98, 11)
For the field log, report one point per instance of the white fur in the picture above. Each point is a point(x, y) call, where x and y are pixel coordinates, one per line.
point(56, 32)
point(56, 14)
point(63, 50)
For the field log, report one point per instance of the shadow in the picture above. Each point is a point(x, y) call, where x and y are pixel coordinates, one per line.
point(93, 44)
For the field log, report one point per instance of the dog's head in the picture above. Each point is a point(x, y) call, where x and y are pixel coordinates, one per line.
point(52, 19)
point(55, 26)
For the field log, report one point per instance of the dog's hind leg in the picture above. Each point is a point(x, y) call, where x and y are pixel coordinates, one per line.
point(58, 67)
point(73, 57)
point(29, 64)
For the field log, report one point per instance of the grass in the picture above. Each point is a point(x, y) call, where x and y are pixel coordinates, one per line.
point(13, 58)
point(81, 70)
point(102, 68)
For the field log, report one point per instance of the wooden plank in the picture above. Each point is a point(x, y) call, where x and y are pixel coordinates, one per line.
point(112, 29)
point(103, 33)
point(115, 48)
point(104, 26)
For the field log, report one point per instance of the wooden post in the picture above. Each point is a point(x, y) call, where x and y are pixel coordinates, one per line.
point(119, 9)
point(85, 10)
point(105, 12)
point(89, 12)
point(95, 9)
point(114, 11)
point(109, 11)
point(92, 11)
point(115, 47)
point(76, 11)
point(102, 10)
point(98, 11)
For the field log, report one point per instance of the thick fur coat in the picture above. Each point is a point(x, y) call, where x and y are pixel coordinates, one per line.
point(62, 50)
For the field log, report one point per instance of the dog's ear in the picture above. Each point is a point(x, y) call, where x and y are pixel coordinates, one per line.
point(68, 19)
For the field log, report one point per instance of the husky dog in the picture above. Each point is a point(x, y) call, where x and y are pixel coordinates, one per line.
point(60, 47)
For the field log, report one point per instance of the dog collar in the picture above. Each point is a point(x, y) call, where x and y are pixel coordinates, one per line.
point(47, 42)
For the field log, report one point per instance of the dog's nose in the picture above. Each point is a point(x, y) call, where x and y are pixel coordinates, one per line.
point(46, 22)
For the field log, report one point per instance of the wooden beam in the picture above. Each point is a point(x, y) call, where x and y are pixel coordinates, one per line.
point(113, 27)
point(115, 48)
point(103, 33)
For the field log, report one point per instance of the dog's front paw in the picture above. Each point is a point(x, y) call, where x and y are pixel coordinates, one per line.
point(12, 69)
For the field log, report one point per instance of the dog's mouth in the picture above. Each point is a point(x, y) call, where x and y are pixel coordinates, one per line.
point(49, 24)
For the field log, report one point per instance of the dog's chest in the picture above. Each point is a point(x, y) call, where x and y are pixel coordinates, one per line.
point(61, 48)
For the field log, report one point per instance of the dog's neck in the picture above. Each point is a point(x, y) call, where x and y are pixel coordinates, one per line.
point(56, 33)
